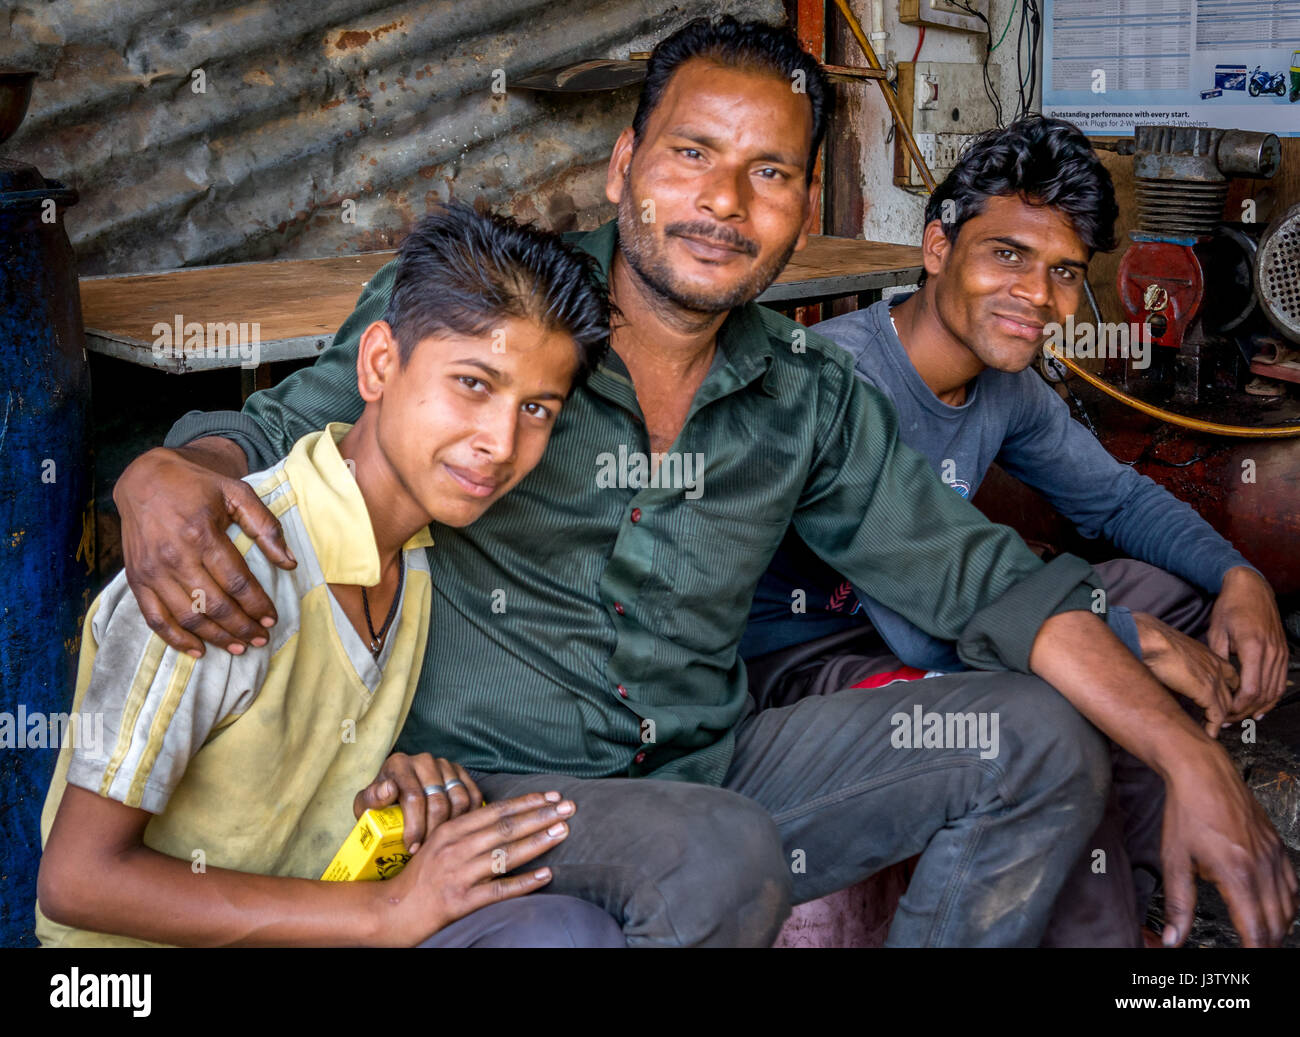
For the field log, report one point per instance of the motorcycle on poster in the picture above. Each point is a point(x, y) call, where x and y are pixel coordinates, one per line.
point(1262, 82)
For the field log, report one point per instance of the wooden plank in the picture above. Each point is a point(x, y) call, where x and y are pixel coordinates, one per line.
point(828, 256)
point(906, 105)
point(300, 303)
point(1288, 371)
point(293, 298)
point(853, 74)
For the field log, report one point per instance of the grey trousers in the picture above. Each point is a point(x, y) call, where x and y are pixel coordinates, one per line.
point(821, 794)
point(534, 920)
point(1104, 901)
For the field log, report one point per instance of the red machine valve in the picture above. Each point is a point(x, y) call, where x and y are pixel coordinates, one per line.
point(1161, 284)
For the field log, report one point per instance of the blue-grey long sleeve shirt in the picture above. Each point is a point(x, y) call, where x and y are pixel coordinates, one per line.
point(1017, 420)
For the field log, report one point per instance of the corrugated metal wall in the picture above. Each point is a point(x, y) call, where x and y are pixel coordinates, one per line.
point(308, 103)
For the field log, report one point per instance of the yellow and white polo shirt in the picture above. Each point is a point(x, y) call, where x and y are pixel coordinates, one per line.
point(251, 761)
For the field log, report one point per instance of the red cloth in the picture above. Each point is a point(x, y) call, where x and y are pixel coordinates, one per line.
point(903, 673)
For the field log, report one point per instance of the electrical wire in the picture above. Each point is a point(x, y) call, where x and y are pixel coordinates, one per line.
point(989, 90)
point(1146, 457)
point(1028, 37)
point(920, 40)
point(891, 98)
point(1020, 50)
point(1007, 29)
point(1035, 70)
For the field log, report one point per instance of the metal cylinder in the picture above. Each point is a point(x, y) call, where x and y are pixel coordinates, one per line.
point(1181, 174)
point(47, 542)
point(1249, 153)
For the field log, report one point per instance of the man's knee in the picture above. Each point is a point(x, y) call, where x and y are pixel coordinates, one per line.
point(677, 863)
point(1061, 752)
point(727, 883)
point(1143, 587)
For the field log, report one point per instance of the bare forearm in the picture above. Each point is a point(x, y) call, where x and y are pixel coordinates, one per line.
point(161, 899)
point(223, 456)
point(1077, 654)
point(1212, 825)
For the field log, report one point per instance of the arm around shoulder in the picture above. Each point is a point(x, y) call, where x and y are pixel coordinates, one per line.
point(176, 506)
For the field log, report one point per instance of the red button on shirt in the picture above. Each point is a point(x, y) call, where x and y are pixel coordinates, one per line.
point(622, 691)
point(639, 757)
point(618, 607)
point(636, 514)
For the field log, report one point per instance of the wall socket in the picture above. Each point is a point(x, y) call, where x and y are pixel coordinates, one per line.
point(945, 105)
point(944, 14)
point(942, 150)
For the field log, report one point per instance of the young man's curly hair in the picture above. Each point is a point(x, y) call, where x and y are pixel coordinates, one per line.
point(1044, 161)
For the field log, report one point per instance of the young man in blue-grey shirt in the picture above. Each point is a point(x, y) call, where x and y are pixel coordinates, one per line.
point(1006, 244)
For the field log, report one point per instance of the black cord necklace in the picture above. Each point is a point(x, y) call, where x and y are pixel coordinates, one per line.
point(377, 639)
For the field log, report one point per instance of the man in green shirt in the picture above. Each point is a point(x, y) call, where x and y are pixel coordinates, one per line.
point(587, 629)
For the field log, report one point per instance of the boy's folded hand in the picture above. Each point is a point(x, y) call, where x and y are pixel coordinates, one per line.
point(470, 862)
point(431, 790)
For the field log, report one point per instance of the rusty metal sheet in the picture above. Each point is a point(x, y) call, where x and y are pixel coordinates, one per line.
point(205, 132)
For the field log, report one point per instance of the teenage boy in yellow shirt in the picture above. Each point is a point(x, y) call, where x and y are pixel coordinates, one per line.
point(223, 784)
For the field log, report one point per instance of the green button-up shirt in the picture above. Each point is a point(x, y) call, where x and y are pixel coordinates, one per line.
point(592, 629)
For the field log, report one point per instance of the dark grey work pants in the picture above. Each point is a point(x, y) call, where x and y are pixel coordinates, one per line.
point(1096, 908)
point(818, 797)
point(535, 920)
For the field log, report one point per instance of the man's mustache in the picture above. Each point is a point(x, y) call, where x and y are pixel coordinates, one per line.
point(712, 232)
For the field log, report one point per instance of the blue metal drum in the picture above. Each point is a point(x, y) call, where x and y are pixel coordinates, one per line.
point(47, 526)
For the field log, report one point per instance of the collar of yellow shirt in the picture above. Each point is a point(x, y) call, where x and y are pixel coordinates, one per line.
point(334, 511)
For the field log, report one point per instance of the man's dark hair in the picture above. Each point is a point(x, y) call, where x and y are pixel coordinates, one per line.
point(461, 272)
point(1046, 162)
point(746, 45)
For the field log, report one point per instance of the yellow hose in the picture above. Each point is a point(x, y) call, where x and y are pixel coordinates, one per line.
point(1241, 431)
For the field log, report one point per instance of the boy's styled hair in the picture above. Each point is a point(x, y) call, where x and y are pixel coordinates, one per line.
point(462, 272)
point(745, 45)
point(1046, 162)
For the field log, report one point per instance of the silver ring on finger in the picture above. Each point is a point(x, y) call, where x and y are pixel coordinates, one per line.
point(435, 790)
point(454, 783)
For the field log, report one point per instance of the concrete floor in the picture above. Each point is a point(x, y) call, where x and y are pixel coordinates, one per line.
point(1271, 767)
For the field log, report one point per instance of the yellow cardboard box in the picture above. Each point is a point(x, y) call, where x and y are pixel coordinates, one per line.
point(372, 850)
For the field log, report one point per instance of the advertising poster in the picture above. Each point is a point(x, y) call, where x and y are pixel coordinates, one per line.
point(1110, 64)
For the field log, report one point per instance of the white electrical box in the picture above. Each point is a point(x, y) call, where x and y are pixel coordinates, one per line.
point(945, 105)
point(945, 14)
